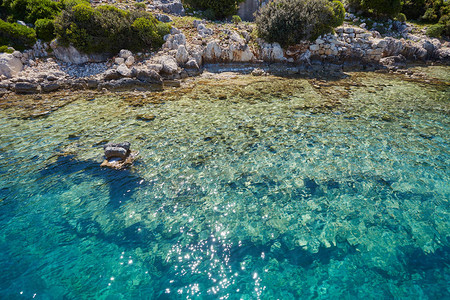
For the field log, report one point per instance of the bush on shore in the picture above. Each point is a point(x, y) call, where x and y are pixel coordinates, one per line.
point(216, 9)
point(382, 8)
point(45, 29)
point(290, 21)
point(107, 29)
point(30, 11)
point(18, 36)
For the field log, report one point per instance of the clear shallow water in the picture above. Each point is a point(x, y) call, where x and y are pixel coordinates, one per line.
point(252, 188)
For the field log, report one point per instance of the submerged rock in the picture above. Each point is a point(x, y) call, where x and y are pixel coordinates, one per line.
point(118, 155)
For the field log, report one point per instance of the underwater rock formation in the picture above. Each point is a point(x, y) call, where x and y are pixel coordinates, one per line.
point(118, 155)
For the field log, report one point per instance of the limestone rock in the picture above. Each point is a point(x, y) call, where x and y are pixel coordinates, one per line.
point(169, 65)
point(124, 70)
point(182, 55)
point(72, 55)
point(192, 64)
point(149, 76)
point(212, 52)
point(130, 61)
point(204, 31)
point(111, 74)
point(163, 18)
point(155, 67)
point(242, 53)
point(119, 60)
point(9, 65)
point(125, 53)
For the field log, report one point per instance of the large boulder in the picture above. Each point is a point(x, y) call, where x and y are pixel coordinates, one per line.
point(149, 76)
point(242, 53)
point(119, 152)
point(71, 55)
point(182, 55)
point(212, 52)
point(272, 52)
point(10, 65)
point(169, 64)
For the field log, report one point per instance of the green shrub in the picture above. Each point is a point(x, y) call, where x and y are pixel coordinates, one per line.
point(5, 49)
point(290, 21)
point(435, 9)
point(355, 4)
point(221, 8)
point(413, 9)
point(45, 29)
point(31, 10)
point(401, 17)
point(445, 21)
point(139, 5)
point(236, 19)
point(382, 7)
point(107, 29)
point(18, 36)
point(209, 14)
point(436, 30)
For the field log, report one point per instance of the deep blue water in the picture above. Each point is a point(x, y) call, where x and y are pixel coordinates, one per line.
point(253, 195)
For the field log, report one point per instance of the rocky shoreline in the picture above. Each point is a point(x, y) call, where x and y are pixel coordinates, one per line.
point(200, 46)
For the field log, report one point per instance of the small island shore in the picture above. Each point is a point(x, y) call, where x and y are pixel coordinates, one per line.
point(196, 45)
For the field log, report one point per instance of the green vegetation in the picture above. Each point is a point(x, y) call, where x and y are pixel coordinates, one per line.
point(236, 19)
point(4, 49)
point(435, 30)
point(434, 12)
point(214, 9)
point(382, 7)
point(18, 36)
point(107, 29)
point(401, 17)
point(290, 21)
point(45, 29)
point(30, 11)
point(139, 5)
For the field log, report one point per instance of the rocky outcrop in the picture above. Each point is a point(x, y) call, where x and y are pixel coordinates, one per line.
point(174, 7)
point(118, 155)
point(26, 88)
point(169, 64)
point(71, 55)
point(213, 52)
point(10, 65)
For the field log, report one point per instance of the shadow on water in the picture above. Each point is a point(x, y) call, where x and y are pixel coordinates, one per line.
point(121, 183)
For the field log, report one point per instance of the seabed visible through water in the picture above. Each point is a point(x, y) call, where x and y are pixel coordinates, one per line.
point(246, 188)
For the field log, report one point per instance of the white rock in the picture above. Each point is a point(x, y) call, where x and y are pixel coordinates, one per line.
point(169, 64)
point(9, 65)
point(182, 55)
point(319, 41)
point(119, 60)
point(155, 67)
point(314, 47)
point(72, 55)
point(241, 53)
point(17, 54)
point(277, 52)
point(192, 64)
point(236, 38)
point(125, 53)
point(130, 61)
point(124, 70)
point(212, 52)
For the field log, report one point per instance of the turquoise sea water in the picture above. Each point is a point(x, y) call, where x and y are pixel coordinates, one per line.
point(245, 188)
